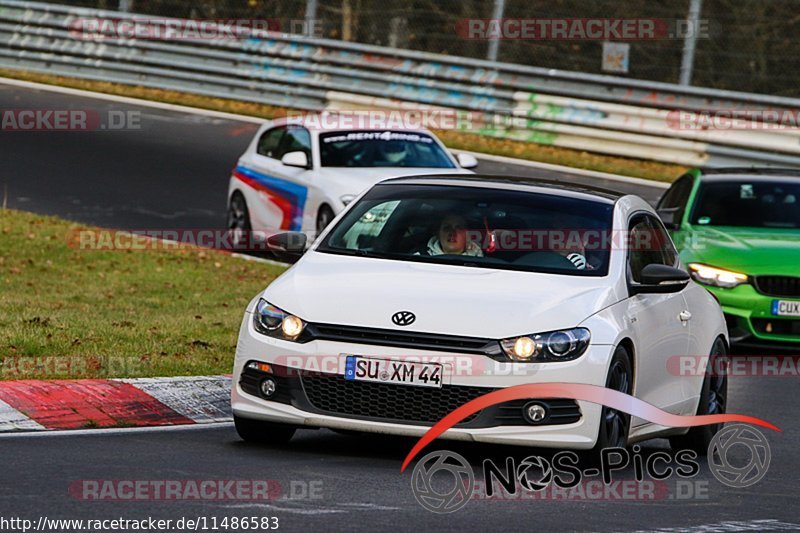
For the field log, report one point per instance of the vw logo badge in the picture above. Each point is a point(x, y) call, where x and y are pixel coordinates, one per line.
point(404, 318)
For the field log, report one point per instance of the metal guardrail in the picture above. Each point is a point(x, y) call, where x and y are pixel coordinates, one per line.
point(603, 114)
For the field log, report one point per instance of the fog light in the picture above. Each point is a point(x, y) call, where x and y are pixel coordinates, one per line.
point(534, 412)
point(268, 387)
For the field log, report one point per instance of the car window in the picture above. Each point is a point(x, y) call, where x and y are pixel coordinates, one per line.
point(363, 232)
point(382, 149)
point(297, 139)
point(648, 244)
point(269, 142)
point(477, 227)
point(678, 194)
point(755, 204)
point(661, 238)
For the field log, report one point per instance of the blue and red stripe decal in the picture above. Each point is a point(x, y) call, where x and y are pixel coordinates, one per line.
point(289, 197)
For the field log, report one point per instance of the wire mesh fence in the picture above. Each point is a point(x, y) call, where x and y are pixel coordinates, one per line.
point(745, 45)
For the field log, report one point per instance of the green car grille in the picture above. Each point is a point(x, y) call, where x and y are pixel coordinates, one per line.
point(781, 286)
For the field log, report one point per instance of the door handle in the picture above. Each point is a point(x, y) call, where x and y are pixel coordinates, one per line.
point(685, 316)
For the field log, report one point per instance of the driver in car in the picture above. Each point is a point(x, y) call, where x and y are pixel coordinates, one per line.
point(393, 153)
point(574, 253)
point(451, 238)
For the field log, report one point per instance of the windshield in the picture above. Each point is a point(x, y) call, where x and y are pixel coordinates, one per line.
point(477, 227)
point(754, 204)
point(381, 149)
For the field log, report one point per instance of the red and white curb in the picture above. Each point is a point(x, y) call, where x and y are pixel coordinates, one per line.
point(31, 405)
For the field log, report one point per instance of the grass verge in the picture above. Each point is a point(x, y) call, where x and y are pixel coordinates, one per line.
point(457, 140)
point(72, 313)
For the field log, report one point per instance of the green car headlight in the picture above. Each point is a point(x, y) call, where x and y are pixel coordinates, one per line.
point(563, 345)
point(717, 277)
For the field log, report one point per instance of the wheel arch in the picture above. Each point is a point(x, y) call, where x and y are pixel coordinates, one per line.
point(725, 342)
point(234, 191)
point(627, 343)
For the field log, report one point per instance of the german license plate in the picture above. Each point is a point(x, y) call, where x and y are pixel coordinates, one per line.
point(786, 307)
point(393, 371)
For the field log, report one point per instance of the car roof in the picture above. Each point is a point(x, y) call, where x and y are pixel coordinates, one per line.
point(748, 173)
point(513, 182)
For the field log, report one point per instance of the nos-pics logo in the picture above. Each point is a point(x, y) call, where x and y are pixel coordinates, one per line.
point(443, 481)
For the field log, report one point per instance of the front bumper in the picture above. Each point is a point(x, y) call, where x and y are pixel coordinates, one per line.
point(313, 392)
point(751, 321)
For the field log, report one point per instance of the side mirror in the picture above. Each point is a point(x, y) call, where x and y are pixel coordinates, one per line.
point(671, 217)
point(295, 159)
point(660, 279)
point(288, 247)
point(466, 160)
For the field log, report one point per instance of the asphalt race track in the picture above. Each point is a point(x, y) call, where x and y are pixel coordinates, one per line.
point(173, 173)
point(170, 173)
point(357, 484)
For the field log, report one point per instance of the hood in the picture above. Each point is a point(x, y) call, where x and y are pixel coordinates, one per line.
point(349, 180)
point(753, 251)
point(455, 300)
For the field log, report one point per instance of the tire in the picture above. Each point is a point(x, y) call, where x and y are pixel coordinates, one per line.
point(259, 432)
point(238, 219)
point(324, 217)
point(713, 401)
point(615, 425)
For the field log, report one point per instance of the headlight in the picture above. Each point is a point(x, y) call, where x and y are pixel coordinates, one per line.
point(716, 276)
point(347, 198)
point(269, 320)
point(561, 345)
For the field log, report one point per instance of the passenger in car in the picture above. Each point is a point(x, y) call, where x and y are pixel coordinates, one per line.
point(451, 238)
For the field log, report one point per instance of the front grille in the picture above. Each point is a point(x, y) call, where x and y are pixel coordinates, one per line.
point(331, 394)
point(336, 395)
point(769, 326)
point(785, 286)
point(405, 339)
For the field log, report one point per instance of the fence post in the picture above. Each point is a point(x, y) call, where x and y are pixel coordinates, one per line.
point(690, 42)
point(310, 16)
point(494, 43)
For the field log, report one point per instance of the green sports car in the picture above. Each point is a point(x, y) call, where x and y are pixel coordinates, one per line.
point(738, 232)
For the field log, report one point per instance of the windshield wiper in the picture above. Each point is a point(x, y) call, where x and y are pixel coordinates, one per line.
point(360, 253)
